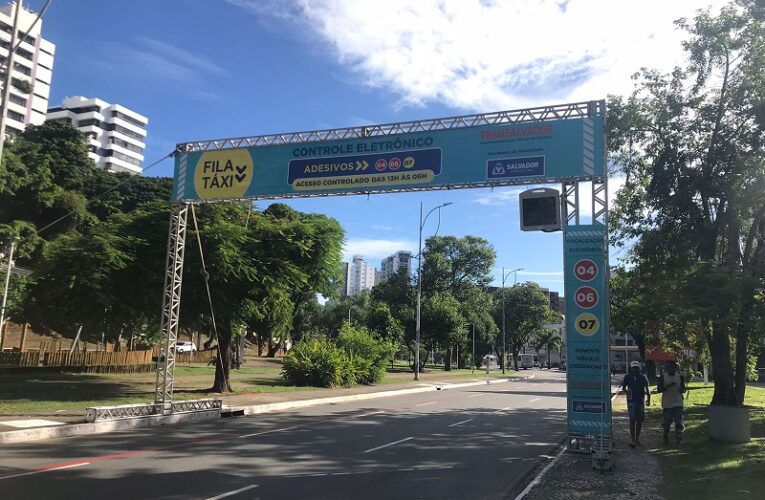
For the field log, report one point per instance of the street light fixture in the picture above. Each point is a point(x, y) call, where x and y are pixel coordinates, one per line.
point(419, 285)
point(504, 333)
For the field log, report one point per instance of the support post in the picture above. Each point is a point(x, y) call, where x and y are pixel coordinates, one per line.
point(171, 306)
point(23, 342)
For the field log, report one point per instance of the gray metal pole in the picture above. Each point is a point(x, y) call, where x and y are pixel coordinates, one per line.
point(472, 357)
point(419, 300)
point(8, 268)
point(8, 75)
point(504, 349)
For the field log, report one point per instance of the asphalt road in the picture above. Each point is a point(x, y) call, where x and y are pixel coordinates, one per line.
point(475, 442)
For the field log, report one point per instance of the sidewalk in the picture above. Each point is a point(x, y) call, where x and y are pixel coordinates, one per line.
point(636, 473)
point(254, 401)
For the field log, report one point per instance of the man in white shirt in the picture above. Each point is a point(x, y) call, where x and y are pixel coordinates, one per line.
point(672, 386)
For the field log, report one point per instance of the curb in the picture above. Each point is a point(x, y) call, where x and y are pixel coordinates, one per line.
point(40, 433)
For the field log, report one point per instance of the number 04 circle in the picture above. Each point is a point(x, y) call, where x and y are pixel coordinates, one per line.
point(587, 324)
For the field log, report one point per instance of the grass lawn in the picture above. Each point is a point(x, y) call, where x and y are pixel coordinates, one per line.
point(705, 469)
point(45, 393)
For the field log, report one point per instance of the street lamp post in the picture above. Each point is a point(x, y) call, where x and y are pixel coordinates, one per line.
point(8, 268)
point(504, 333)
point(419, 287)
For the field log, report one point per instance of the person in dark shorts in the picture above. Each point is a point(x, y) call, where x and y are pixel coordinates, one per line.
point(672, 386)
point(636, 385)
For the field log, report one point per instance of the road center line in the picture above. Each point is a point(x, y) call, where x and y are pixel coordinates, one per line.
point(50, 469)
point(369, 414)
point(269, 432)
point(228, 494)
point(426, 404)
point(533, 400)
point(387, 445)
point(460, 423)
point(503, 409)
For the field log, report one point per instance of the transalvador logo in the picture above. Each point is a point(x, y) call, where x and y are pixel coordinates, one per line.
point(223, 174)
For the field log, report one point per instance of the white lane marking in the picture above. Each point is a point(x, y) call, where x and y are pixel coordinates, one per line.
point(460, 423)
point(70, 466)
point(503, 409)
point(476, 395)
point(268, 432)
point(426, 404)
point(533, 400)
point(228, 494)
point(369, 414)
point(387, 445)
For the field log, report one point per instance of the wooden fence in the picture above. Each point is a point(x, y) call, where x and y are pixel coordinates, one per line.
point(121, 361)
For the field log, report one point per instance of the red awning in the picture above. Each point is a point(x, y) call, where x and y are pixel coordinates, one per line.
point(659, 355)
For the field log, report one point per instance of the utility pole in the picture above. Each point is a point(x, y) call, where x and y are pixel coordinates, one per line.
point(8, 75)
point(504, 333)
point(419, 288)
point(472, 357)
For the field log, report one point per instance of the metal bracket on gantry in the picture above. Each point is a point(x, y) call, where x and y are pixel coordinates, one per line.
point(171, 307)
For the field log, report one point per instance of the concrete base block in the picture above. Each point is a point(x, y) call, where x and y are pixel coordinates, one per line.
point(729, 424)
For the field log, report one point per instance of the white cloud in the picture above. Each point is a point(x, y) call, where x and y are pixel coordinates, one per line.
point(486, 55)
point(502, 196)
point(375, 248)
point(541, 273)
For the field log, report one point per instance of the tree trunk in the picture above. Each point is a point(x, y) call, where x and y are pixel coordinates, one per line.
point(515, 358)
point(719, 349)
point(223, 363)
point(742, 342)
point(448, 359)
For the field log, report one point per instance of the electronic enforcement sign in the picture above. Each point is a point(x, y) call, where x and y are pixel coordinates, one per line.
point(587, 349)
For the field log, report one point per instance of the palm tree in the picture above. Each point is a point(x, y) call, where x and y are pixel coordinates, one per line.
point(549, 340)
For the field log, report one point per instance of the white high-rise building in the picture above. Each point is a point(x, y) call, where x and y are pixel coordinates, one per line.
point(32, 69)
point(396, 262)
point(360, 276)
point(116, 135)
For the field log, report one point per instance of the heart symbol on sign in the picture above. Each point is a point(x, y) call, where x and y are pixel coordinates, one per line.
point(240, 178)
point(241, 169)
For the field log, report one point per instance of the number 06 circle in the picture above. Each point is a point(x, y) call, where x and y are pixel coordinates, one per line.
point(587, 324)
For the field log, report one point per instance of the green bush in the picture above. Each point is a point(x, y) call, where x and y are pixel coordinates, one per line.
point(357, 358)
point(368, 354)
point(317, 363)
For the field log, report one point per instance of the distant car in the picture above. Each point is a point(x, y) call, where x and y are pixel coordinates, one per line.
point(526, 361)
point(185, 347)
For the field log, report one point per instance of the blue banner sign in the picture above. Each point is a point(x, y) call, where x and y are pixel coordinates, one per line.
point(588, 380)
point(489, 155)
point(375, 170)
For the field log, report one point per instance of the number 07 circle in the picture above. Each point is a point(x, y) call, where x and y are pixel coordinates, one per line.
point(587, 324)
point(585, 270)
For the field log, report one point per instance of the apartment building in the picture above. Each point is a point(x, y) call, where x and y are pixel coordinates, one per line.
point(32, 69)
point(394, 263)
point(116, 135)
point(360, 276)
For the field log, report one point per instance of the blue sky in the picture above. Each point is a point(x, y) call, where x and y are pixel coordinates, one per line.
point(203, 69)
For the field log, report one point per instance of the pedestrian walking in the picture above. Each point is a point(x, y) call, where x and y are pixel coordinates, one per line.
point(672, 387)
point(638, 396)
